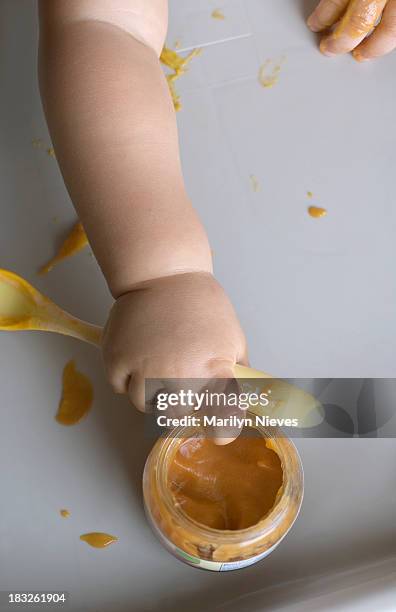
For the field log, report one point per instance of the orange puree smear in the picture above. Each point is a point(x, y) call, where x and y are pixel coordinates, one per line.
point(77, 396)
point(38, 143)
point(225, 487)
point(269, 72)
point(218, 14)
point(254, 183)
point(98, 539)
point(75, 242)
point(178, 64)
point(317, 212)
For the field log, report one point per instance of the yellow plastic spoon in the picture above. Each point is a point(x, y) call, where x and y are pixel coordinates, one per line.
point(22, 307)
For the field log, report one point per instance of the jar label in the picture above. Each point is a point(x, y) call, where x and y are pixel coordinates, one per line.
point(214, 566)
point(225, 567)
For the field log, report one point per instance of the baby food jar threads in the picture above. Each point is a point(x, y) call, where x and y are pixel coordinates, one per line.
point(214, 549)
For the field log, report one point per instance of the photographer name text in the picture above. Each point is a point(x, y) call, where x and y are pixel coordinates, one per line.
point(230, 421)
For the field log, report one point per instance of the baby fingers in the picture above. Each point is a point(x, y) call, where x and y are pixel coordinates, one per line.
point(326, 14)
point(359, 19)
point(383, 39)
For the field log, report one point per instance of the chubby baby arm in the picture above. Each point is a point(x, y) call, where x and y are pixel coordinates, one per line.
point(114, 130)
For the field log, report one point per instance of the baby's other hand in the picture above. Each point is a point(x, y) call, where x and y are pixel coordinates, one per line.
point(353, 21)
point(181, 326)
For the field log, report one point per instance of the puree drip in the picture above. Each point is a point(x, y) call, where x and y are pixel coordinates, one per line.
point(225, 487)
point(77, 396)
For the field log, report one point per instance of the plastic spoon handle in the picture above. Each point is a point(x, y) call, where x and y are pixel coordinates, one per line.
point(22, 307)
point(68, 325)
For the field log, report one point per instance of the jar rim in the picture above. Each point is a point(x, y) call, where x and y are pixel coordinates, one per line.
point(268, 522)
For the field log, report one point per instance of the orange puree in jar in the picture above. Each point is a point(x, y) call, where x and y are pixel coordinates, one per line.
point(225, 487)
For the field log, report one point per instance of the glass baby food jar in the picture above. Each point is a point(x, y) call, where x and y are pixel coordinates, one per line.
point(214, 549)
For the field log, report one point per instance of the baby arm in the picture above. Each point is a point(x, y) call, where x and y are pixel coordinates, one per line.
point(114, 131)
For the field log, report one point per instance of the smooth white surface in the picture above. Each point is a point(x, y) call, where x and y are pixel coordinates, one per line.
point(316, 297)
point(360, 590)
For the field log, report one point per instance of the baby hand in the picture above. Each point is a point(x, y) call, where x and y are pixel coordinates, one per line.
point(181, 326)
point(354, 20)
